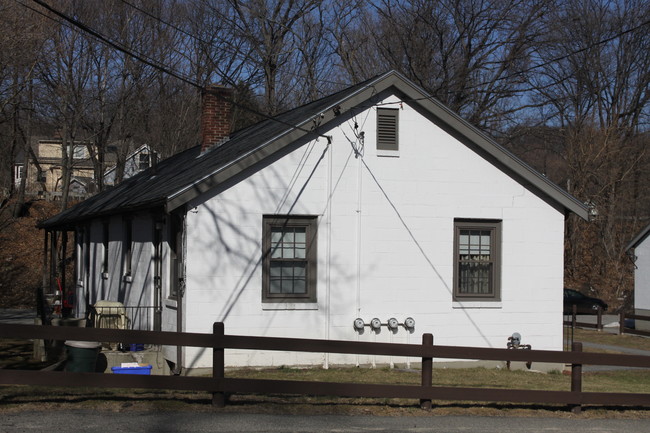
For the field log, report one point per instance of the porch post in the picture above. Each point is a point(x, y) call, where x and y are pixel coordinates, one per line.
point(53, 248)
point(64, 251)
point(40, 295)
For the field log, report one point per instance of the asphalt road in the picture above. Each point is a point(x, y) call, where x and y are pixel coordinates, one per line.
point(86, 421)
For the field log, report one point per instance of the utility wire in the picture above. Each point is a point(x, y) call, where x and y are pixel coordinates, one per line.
point(162, 68)
point(115, 45)
point(541, 65)
point(203, 41)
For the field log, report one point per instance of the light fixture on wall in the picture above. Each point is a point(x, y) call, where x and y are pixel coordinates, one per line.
point(359, 324)
point(375, 324)
point(409, 323)
point(393, 324)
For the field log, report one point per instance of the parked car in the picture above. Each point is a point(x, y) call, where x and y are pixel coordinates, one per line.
point(585, 304)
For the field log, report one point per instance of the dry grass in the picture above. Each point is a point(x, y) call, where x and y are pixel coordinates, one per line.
point(17, 354)
point(18, 398)
point(629, 341)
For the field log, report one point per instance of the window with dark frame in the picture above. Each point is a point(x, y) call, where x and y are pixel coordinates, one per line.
point(387, 129)
point(289, 258)
point(143, 161)
point(477, 261)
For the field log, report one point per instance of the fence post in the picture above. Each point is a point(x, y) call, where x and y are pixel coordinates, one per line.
point(599, 324)
point(218, 397)
point(621, 323)
point(427, 370)
point(576, 376)
point(574, 313)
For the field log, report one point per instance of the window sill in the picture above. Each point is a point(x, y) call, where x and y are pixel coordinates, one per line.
point(388, 153)
point(476, 304)
point(289, 306)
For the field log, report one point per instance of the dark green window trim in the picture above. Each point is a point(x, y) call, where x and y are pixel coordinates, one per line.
point(477, 260)
point(289, 269)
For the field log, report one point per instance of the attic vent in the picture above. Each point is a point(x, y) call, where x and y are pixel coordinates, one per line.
point(387, 131)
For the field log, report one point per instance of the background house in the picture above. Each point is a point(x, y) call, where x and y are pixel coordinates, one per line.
point(376, 202)
point(639, 250)
point(139, 160)
point(44, 172)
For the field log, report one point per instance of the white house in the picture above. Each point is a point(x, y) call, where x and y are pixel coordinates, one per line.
point(374, 202)
point(639, 248)
point(139, 160)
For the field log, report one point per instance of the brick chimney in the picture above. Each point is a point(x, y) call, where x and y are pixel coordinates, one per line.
point(216, 116)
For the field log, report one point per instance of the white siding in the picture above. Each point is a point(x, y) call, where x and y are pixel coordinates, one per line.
point(642, 282)
point(385, 247)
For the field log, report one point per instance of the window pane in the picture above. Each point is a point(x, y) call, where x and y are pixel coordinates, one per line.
point(300, 252)
point(276, 269)
point(287, 252)
point(301, 235)
point(300, 270)
point(299, 286)
point(287, 286)
point(287, 270)
point(275, 286)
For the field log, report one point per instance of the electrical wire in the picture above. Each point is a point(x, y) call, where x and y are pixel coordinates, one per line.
point(204, 42)
point(84, 28)
point(537, 66)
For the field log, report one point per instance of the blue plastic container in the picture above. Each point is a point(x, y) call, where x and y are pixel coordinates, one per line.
point(143, 369)
point(136, 347)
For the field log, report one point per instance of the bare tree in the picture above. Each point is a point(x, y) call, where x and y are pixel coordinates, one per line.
point(594, 86)
point(470, 54)
point(65, 72)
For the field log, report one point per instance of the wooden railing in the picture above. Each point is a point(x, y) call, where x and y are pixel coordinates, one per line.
point(219, 385)
point(622, 328)
point(573, 322)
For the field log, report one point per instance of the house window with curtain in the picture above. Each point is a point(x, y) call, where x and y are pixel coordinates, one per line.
point(477, 249)
point(289, 258)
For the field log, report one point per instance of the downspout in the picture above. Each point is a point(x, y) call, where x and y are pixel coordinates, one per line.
point(358, 241)
point(328, 265)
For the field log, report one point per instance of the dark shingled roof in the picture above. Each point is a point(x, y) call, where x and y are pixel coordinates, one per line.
point(153, 187)
point(182, 177)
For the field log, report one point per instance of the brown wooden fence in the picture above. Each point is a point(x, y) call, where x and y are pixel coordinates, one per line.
point(573, 322)
point(622, 328)
point(219, 385)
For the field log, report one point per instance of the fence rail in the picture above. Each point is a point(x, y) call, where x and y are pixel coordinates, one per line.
point(622, 328)
point(219, 385)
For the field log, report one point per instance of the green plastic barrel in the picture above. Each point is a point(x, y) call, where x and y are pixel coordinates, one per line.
point(82, 356)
